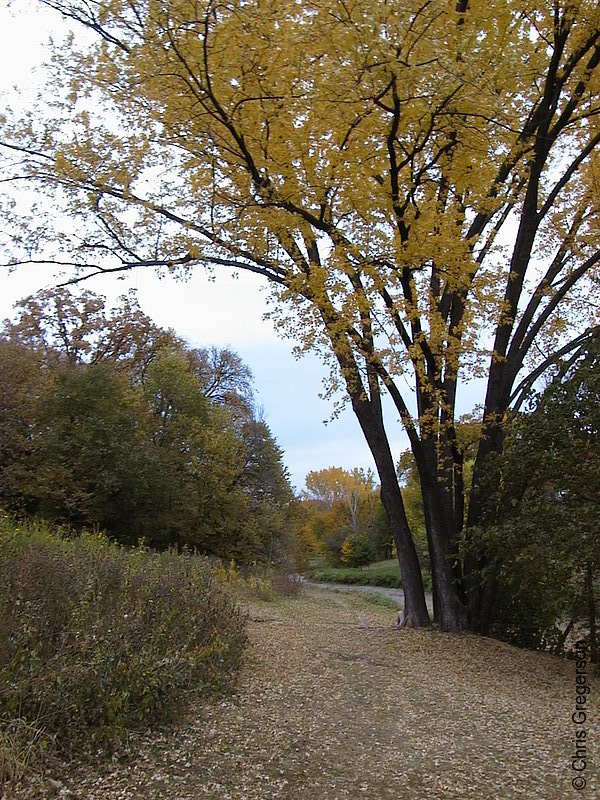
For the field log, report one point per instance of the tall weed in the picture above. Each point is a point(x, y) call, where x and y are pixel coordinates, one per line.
point(257, 582)
point(96, 640)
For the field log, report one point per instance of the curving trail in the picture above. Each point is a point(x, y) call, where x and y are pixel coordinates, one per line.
point(334, 702)
point(394, 594)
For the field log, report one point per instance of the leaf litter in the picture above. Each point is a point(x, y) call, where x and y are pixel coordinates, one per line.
point(334, 702)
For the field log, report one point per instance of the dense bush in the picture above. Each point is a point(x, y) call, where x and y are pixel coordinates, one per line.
point(543, 522)
point(357, 551)
point(96, 640)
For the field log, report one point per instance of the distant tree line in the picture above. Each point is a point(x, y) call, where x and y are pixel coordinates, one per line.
point(341, 519)
point(108, 420)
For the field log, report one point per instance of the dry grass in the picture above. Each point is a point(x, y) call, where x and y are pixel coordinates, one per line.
point(333, 702)
point(97, 641)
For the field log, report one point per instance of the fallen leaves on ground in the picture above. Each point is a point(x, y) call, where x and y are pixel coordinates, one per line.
point(334, 702)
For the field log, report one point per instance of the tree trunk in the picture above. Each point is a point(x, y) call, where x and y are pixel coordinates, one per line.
point(415, 608)
point(448, 611)
point(416, 614)
point(479, 584)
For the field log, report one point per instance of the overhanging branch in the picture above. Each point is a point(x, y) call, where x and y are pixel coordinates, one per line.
point(525, 386)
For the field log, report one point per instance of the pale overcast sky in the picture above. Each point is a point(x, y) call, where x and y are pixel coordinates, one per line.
point(225, 313)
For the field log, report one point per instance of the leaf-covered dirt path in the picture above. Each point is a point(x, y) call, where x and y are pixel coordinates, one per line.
point(334, 702)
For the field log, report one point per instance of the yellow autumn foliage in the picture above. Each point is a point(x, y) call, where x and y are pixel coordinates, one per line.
point(418, 181)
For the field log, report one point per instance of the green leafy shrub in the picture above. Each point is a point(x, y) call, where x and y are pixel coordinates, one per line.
point(357, 551)
point(96, 640)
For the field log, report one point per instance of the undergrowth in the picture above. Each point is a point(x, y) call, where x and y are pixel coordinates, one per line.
point(96, 640)
point(257, 583)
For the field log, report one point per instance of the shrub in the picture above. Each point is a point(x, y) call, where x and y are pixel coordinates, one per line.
point(357, 551)
point(352, 575)
point(96, 640)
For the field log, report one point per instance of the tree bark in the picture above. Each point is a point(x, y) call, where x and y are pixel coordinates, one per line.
point(415, 607)
point(449, 612)
point(478, 586)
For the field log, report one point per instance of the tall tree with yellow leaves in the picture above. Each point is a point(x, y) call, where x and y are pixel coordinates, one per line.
point(418, 180)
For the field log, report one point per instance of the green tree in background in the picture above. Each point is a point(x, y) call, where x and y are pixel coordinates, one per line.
point(24, 379)
point(107, 420)
point(92, 461)
point(357, 551)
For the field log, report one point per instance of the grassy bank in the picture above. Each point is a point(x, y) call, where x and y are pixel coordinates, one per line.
point(96, 641)
point(384, 573)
